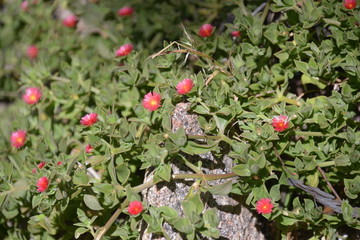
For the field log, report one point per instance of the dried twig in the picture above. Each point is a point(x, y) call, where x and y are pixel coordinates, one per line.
point(328, 183)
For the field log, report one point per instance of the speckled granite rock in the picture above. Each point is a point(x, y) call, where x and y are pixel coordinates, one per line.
point(236, 221)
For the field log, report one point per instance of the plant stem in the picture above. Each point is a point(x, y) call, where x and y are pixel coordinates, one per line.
point(328, 183)
point(101, 232)
point(314, 134)
point(319, 164)
point(145, 185)
point(207, 177)
point(288, 100)
point(331, 21)
point(204, 137)
point(61, 79)
point(222, 137)
point(326, 164)
point(265, 12)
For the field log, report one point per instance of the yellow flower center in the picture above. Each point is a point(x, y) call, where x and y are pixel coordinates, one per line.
point(32, 97)
point(153, 102)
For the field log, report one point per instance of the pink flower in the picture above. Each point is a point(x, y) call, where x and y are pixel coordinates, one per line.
point(135, 207)
point(70, 21)
point(32, 51)
point(88, 148)
point(89, 119)
point(349, 4)
point(206, 30)
point(33, 170)
point(124, 50)
point(184, 86)
point(32, 95)
point(25, 6)
point(41, 165)
point(42, 184)
point(18, 138)
point(151, 101)
point(126, 11)
point(280, 123)
point(236, 34)
point(59, 163)
point(264, 206)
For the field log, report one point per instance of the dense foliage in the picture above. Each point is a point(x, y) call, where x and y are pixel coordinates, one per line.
point(275, 86)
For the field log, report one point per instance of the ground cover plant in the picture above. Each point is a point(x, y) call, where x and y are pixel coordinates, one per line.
point(90, 92)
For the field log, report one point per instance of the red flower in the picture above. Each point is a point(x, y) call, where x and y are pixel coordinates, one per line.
point(236, 34)
point(33, 170)
point(264, 206)
point(59, 163)
point(126, 11)
point(70, 21)
point(135, 207)
point(32, 95)
point(124, 50)
point(349, 4)
point(32, 51)
point(206, 30)
point(18, 138)
point(151, 101)
point(88, 148)
point(41, 165)
point(42, 184)
point(25, 6)
point(280, 123)
point(89, 119)
point(184, 86)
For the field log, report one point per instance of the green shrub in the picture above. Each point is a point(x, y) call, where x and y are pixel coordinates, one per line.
point(298, 59)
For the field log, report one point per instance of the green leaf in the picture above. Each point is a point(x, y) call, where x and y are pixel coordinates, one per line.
point(193, 204)
point(80, 177)
point(195, 148)
point(287, 221)
point(275, 192)
point(183, 225)
point(154, 226)
point(352, 187)
point(164, 172)
point(36, 200)
point(122, 172)
point(168, 212)
point(282, 55)
point(123, 148)
point(211, 218)
point(94, 160)
point(342, 160)
point(201, 109)
point(221, 189)
point(242, 170)
point(305, 79)
point(92, 202)
point(80, 231)
point(211, 223)
point(156, 155)
point(347, 211)
point(179, 137)
point(82, 216)
point(271, 33)
point(301, 66)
